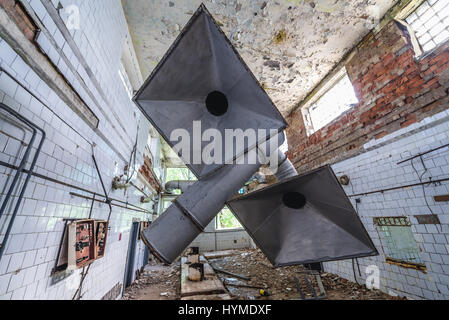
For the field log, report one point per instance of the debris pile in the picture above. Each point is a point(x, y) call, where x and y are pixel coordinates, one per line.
point(157, 282)
point(280, 283)
point(248, 275)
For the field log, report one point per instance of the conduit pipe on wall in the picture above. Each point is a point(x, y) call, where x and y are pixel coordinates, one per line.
point(21, 169)
point(182, 185)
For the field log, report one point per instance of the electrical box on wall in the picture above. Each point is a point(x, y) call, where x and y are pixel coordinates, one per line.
point(86, 242)
point(81, 244)
point(101, 234)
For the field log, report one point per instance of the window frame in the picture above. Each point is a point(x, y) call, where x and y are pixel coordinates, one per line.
point(417, 46)
point(338, 76)
point(391, 222)
point(217, 221)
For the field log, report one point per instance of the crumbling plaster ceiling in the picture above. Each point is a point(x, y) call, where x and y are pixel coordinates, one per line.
point(290, 45)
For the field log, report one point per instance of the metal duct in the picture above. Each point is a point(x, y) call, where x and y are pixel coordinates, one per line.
point(203, 78)
point(182, 185)
point(190, 214)
point(286, 169)
point(305, 219)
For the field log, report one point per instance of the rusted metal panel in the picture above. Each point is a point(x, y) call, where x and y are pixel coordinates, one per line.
point(442, 198)
point(101, 235)
point(21, 17)
point(428, 219)
point(81, 244)
point(392, 222)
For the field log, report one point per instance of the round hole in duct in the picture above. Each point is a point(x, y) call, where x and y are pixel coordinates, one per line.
point(217, 103)
point(294, 200)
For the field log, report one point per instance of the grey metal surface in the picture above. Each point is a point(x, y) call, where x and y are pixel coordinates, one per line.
point(189, 215)
point(285, 169)
point(326, 229)
point(202, 78)
point(200, 62)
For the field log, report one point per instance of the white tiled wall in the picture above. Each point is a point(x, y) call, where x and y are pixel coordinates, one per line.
point(378, 169)
point(217, 240)
point(66, 156)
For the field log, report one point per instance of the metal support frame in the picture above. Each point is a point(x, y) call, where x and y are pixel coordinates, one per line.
point(20, 170)
point(108, 201)
point(135, 208)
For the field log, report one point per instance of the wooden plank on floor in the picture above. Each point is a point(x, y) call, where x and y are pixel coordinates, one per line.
point(221, 254)
point(442, 198)
point(212, 285)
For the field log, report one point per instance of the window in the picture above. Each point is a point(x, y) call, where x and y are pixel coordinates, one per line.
point(398, 242)
point(284, 147)
point(167, 204)
point(430, 24)
point(174, 174)
point(179, 174)
point(337, 97)
point(226, 220)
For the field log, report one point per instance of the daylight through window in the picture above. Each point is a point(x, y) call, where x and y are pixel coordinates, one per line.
point(335, 101)
point(430, 23)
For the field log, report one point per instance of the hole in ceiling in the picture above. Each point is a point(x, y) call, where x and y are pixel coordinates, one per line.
point(217, 103)
point(294, 200)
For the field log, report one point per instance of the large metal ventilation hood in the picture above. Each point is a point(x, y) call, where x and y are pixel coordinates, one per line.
point(305, 219)
point(202, 78)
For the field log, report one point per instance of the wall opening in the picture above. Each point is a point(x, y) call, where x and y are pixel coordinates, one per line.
point(398, 243)
point(294, 200)
point(335, 98)
point(429, 24)
point(225, 220)
point(217, 103)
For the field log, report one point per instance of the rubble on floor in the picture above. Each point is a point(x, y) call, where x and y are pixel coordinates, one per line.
point(210, 288)
point(279, 282)
point(157, 282)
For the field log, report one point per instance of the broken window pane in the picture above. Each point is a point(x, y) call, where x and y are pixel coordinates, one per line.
point(430, 23)
point(398, 241)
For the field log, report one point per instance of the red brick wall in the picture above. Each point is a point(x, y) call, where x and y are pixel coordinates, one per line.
point(147, 171)
point(394, 89)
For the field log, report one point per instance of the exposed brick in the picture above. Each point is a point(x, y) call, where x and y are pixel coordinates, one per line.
point(395, 90)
